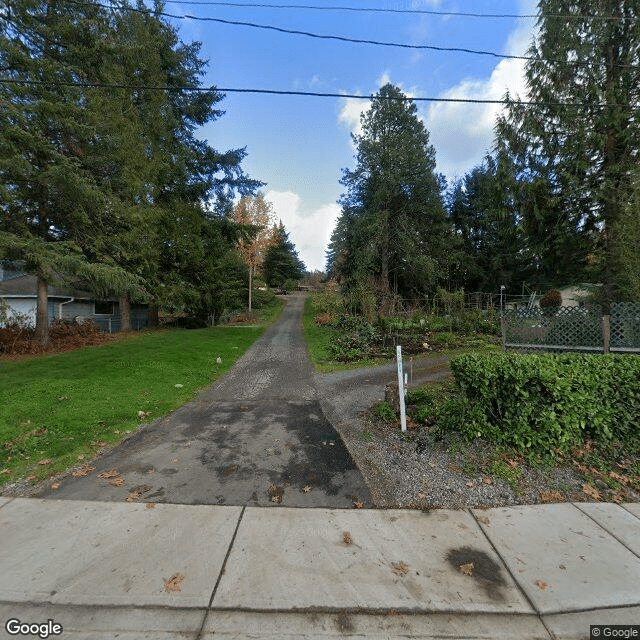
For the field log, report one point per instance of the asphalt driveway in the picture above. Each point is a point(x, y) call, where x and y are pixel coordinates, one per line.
point(258, 436)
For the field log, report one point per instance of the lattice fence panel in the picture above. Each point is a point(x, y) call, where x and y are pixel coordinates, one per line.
point(625, 326)
point(568, 328)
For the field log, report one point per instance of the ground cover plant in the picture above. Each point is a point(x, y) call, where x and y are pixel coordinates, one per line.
point(340, 339)
point(58, 410)
point(509, 411)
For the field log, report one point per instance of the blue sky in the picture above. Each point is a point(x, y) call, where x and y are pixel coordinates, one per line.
point(298, 145)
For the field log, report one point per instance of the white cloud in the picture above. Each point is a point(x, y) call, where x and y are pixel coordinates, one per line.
point(309, 229)
point(463, 133)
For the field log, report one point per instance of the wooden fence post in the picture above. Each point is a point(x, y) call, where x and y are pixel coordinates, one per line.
point(606, 332)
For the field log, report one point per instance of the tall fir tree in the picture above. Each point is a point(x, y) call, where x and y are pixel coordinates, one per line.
point(393, 227)
point(573, 161)
point(281, 261)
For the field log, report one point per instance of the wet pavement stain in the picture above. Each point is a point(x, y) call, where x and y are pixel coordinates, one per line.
point(485, 570)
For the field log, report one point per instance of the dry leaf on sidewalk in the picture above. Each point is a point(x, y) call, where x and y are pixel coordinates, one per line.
point(482, 519)
point(151, 505)
point(84, 470)
point(358, 505)
point(346, 538)
point(112, 473)
point(400, 568)
point(487, 480)
point(550, 496)
point(306, 488)
point(592, 492)
point(56, 485)
point(118, 481)
point(173, 583)
point(467, 569)
point(541, 584)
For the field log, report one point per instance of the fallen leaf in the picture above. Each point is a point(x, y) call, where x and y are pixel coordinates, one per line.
point(592, 492)
point(550, 496)
point(620, 478)
point(84, 470)
point(306, 488)
point(111, 473)
point(541, 584)
point(116, 482)
point(487, 480)
point(151, 505)
point(173, 583)
point(422, 495)
point(512, 464)
point(41, 432)
point(400, 568)
point(482, 519)
point(346, 538)
point(100, 444)
point(467, 569)
point(178, 386)
point(46, 461)
point(5, 471)
point(358, 505)
point(143, 414)
point(138, 491)
point(276, 493)
point(56, 485)
point(471, 484)
point(31, 478)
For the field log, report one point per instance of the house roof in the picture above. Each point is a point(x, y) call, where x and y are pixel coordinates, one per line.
point(27, 286)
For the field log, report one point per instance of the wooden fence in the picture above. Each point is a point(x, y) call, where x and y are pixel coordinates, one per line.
point(573, 329)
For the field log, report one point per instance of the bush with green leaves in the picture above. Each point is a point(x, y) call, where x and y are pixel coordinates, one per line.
point(543, 402)
point(327, 302)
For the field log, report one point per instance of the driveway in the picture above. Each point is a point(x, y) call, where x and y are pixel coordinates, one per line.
point(258, 436)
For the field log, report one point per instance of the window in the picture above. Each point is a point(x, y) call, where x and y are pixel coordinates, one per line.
point(103, 308)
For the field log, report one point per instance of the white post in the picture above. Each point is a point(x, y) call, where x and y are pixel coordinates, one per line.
point(403, 417)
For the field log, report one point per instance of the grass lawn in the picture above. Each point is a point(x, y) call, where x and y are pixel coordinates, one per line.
point(58, 410)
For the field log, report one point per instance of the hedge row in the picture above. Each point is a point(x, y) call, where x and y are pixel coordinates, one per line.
point(545, 401)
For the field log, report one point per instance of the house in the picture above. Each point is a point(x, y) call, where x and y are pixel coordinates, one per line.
point(19, 292)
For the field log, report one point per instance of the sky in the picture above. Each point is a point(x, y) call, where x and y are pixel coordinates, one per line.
point(299, 145)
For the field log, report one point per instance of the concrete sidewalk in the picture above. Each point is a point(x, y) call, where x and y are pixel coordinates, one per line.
point(107, 570)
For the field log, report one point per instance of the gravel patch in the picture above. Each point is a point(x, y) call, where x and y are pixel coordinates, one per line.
point(413, 470)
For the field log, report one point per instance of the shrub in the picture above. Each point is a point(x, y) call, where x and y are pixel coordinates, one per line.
point(543, 402)
point(327, 302)
point(551, 302)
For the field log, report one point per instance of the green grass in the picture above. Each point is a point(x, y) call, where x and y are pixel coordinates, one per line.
point(60, 407)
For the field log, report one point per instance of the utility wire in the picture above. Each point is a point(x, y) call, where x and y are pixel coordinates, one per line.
point(428, 12)
point(313, 94)
point(309, 34)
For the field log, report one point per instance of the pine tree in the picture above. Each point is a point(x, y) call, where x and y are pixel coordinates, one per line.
point(573, 162)
point(281, 261)
point(393, 225)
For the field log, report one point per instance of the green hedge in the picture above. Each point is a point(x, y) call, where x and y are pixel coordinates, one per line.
point(545, 401)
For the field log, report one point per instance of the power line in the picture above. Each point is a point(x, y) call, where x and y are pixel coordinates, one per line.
point(312, 94)
point(428, 12)
point(309, 34)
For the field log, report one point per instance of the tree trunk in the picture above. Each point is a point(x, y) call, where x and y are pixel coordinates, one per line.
point(250, 281)
point(125, 314)
point(42, 313)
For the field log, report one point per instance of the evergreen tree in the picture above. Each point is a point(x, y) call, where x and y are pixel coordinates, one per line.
point(573, 163)
point(393, 227)
point(281, 261)
point(487, 223)
point(49, 195)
